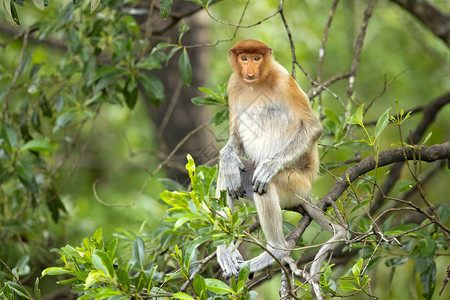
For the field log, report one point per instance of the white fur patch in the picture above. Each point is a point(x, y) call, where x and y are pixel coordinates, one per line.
point(263, 127)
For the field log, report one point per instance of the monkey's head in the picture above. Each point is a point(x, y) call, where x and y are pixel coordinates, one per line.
point(250, 59)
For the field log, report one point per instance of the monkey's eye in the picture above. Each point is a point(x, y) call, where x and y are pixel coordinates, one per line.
point(244, 58)
point(256, 58)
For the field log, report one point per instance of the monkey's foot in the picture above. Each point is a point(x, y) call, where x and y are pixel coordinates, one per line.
point(265, 259)
point(230, 260)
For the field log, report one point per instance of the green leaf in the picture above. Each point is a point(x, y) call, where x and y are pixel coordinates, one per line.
point(39, 4)
point(45, 106)
point(14, 14)
point(221, 116)
point(185, 218)
point(111, 249)
point(153, 87)
point(152, 62)
point(24, 170)
point(205, 101)
point(18, 288)
point(97, 237)
point(55, 271)
point(38, 146)
point(54, 204)
point(357, 118)
point(9, 135)
point(348, 286)
point(26, 64)
point(382, 122)
point(95, 276)
point(209, 92)
point(395, 262)
point(182, 29)
point(185, 68)
point(140, 282)
point(183, 296)
point(7, 12)
point(218, 287)
point(123, 279)
point(190, 251)
point(405, 185)
point(130, 92)
point(444, 212)
point(175, 199)
point(102, 261)
point(63, 120)
point(243, 275)
point(94, 5)
point(165, 8)
point(139, 252)
point(427, 138)
point(356, 269)
point(37, 291)
point(200, 286)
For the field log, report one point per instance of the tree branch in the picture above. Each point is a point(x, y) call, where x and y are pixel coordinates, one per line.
point(386, 157)
point(429, 114)
point(431, 17)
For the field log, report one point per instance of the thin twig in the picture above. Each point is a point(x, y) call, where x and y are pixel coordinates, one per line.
point(202, 264)
point(170, 109)
point(291, 42)
point(322, 52)
point(225, 40)
point(358, 48)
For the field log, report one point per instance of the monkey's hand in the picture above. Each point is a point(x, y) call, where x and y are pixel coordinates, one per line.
point(264, 173)
point(230, 260)
point(230, 167)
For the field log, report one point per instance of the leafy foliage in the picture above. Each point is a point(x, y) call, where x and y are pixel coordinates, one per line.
point(108, 60)
point(157, 264)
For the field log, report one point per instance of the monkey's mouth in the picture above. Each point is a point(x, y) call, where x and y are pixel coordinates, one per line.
point(250, 80)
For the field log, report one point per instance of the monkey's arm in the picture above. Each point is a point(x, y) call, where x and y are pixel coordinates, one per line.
point(230, 164)
point(230, 167)
point(300, 142)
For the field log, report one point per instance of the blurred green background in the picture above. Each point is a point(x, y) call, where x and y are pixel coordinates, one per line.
point(118, 149)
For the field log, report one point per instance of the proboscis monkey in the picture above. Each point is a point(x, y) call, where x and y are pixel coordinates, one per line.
point(271, 155)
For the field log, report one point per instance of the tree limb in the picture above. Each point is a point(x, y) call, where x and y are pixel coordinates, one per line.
point(386, 157)
point(438, 22)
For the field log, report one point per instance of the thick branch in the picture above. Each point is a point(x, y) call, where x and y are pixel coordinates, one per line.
point(435, 20)
point(386, 157)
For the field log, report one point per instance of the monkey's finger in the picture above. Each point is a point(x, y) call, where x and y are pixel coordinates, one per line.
point(255, 177)
point(231, 193)
point(261, 188)
point(241, 192)
point(257, 187)
point(265, 187)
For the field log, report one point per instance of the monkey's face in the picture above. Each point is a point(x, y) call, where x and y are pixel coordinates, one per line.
point(251, 66)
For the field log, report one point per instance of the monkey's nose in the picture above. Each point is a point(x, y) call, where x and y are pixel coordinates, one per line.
point(250, 75)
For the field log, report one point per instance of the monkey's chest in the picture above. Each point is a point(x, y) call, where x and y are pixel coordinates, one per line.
point(264, 130)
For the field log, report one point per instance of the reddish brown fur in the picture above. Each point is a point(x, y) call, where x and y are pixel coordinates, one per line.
point(250, 69)
point(250, 46)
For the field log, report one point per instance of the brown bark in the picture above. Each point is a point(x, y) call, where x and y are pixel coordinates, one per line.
point(438, 22)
